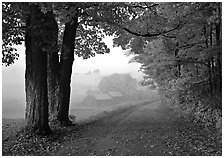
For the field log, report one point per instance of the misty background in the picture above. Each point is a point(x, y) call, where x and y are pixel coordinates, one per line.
point(83, 78)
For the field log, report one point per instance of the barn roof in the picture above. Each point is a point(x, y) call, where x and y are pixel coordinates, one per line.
point(115, 94)
point(102, 96)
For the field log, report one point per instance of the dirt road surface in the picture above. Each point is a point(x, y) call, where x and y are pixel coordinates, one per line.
point(146, 129)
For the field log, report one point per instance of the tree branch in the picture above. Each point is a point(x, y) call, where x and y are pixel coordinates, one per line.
point(135, 33)
point(143, 7)
point(168, 36)
point(199, 82)
point(151, 34)
point(192, 61)
point(190, 45)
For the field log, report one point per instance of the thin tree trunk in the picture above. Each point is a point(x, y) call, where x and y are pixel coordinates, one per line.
point(212, 61)
point(210, 35)
point(205, 34)
point(177, 57)
point(213, 74)
point(197, 70)
point(219, 60)
point(209, 63)
point(36, 73)
point(67, 58)
point(210, 78)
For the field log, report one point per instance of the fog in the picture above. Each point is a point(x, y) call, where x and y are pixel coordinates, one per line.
point(83, 79)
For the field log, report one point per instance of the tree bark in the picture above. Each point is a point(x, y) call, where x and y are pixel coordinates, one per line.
point(53, 67)
point(67, 58)
point(213, 74)
point(210, 79)
point(36, 74)
point(219, 60)
point(178, 63)
point(209, 63)
point(212, 60)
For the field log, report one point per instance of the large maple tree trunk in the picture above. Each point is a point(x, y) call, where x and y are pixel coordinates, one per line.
point(36, 73)
point(53, 84)
point(53, 67)
point(66, 62)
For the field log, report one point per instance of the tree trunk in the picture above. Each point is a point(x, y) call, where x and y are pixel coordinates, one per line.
point(209, 63)
point(67, 58)
point(178, 62)
point(36, 74)
point(212, 60)
point(213, 74)
point(53, 67)
point(219, 60)
point(210, 79)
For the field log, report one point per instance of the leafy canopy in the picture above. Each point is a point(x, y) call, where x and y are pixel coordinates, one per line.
point(90, 31)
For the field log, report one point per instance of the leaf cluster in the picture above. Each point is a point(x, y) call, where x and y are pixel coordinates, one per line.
point(12, 30)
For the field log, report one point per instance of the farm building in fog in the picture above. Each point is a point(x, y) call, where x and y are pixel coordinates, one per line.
point(117, 97)
point(96, 97)
point(115, 94)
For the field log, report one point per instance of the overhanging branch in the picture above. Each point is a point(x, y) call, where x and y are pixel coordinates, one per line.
point(135, 33)
point(151, 34)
